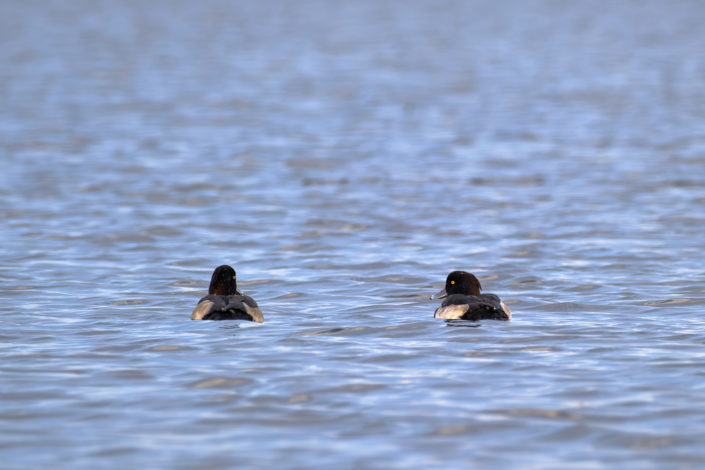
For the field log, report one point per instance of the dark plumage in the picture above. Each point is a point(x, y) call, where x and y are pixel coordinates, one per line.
point(463, 300)
point(224, 301)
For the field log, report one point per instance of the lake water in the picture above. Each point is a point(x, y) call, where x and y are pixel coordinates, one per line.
point(344, 157)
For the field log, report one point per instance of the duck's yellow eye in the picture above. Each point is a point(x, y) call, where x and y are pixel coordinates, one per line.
point(233, 277)
point(452, 282)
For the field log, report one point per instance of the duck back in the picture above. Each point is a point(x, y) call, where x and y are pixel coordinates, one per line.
point(472, 307)
point(227, 307)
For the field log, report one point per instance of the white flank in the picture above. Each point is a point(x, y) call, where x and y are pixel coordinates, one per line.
point(506, 310)
point(254, 312)
point(202, 309)
point(451, 312)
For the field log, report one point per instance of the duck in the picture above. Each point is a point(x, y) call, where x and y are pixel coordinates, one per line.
point(463, 300)
point(224, 301)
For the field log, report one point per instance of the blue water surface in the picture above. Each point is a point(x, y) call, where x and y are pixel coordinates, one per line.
point(344, 157)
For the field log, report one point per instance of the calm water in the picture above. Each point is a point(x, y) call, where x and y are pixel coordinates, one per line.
point(345, 158)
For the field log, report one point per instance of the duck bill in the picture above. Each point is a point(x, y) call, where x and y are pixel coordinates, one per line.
point(440, 295)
